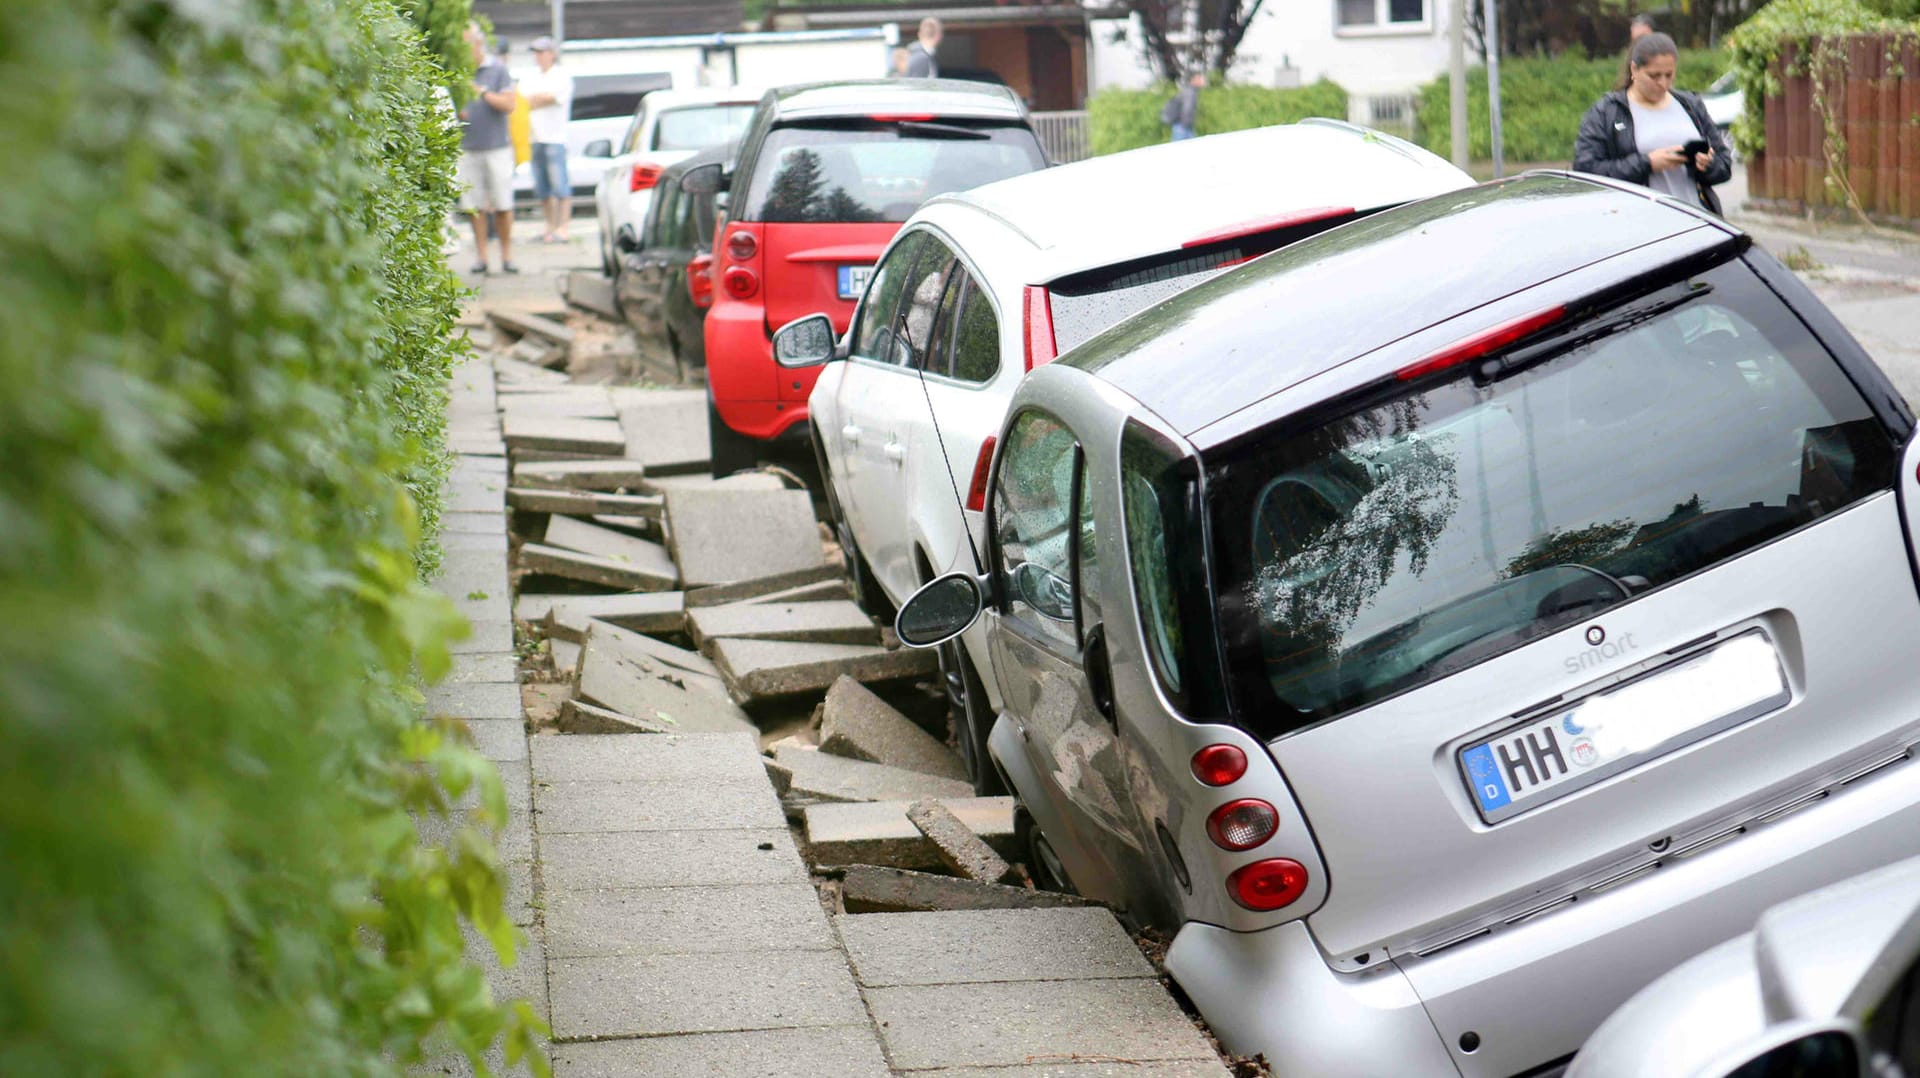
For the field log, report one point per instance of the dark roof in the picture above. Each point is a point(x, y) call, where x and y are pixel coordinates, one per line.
point(594, 20)
point(1255, 331)
point(857, 97)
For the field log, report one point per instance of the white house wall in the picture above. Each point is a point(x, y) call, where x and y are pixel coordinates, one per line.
point(777, 64)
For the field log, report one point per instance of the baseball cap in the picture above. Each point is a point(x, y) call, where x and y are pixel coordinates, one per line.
point(543, 43)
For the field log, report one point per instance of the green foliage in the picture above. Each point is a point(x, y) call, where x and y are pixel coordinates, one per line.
point(443, 25)
point(1758, 42)
point(224, 335)
point(1542, 100)
point(1128, 119)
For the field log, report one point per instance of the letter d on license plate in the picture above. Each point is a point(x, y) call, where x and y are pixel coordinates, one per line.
point(1565, 749)
point(853, 280)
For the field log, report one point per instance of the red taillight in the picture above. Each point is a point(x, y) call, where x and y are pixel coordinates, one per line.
point(1243, 824)
point(977, 490)
point(700, 280)
point(1038, 317)
point(644, 177)
point(1268, 885)
point(740, 282)
point(1481, 343)
point(1270, 224)
point(1217, 765)
point(742, 245)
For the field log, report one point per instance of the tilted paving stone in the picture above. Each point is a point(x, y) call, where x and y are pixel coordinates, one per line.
point(486, 635)
point(960, 849)
point(593, 569)
point(879, 833)
point(666, 429)
point(566, 657)
point(659, 482)
point(570, 534)
point(786, 585)
point(689, 758)
point(877, 889)
point(837, 1051)
point(679, 658)
point(616, 674)
point(1163, 1068)
point(583, 807)
point(598, 475)
point(650, 508)
point(542, 500)
point(809, 774)
point(580, 717)
point(723, 536)
point(523, 323)
point(499, 739)
point(475, 700)
point(567, 617)
point(512, 370)
point(588, 861)
point(482, 667)
point(582, 403)
point(856, 723)
point(820, 592)
point(1023, 1023)
point(599, 436)
point(835, 622)
point(769, 669)
point(688, 920)
point(982, 946)
point(650, 995)
point(593, 292)
point(518, 458)
point(537, 352)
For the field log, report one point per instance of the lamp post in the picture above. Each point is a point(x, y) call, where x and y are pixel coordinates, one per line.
point(1493, 85)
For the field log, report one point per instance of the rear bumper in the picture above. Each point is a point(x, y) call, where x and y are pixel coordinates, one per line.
point(1533, 992)
point(743, 379)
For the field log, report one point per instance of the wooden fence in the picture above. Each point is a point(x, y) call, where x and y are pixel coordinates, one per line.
point(1859, 97)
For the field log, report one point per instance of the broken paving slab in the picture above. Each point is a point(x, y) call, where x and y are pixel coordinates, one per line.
point(592, 292)
point(566, 657)
point(759, 670)
point(835, 622)
point(691, 662)
point(618, 673)
point(879, 833)
point(877, 889)
point(990, 946)
point(572, 534)
point(580, 717)
point(649, 508)
point(667, 429)
point(514, 371)
point(599, 475)
point(601, 437)
point(856, 723)
point(522, 324)
point(534, 351)
point(542, 500)
point(660, 483)
point(585, 402)
point(574, 565)
point(566, 617)
point(805, 774)
point(788, 585)
point(723, 536)
point(961, 850)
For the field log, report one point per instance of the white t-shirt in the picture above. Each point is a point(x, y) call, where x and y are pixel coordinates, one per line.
point(1657, 129)
point(549, 122)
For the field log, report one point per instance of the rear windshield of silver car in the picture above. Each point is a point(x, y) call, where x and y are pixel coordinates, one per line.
point(1392, 545)
point(696, 127)
point(880, 170)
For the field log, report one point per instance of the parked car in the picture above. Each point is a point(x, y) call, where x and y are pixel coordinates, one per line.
point(980, 287)
point(603, 105)
point(1443, 623)
point(1827, 985)
point(668, 126)
point(827, 173)
point(1724, 101)
point(668, 283)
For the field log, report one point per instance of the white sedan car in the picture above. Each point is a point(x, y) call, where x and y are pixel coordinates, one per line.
point(668, 127)
point(980, 287)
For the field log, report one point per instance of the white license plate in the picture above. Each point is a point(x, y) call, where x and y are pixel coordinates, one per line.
point(1539, 760)
point(853, 280)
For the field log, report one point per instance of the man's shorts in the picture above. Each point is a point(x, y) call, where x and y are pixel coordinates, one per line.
point(487, 179)
point(550, 171)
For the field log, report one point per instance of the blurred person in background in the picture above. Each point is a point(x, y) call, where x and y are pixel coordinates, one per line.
point(486, 153)
point(1641, 134)
point(920, 62)
point(549, 95)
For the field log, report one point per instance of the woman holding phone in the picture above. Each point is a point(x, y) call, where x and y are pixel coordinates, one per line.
point(1653, 134)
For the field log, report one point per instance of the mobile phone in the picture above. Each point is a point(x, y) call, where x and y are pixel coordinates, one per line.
point(1696, 146)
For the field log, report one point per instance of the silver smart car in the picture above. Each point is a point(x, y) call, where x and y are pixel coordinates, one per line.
point(1446, 624)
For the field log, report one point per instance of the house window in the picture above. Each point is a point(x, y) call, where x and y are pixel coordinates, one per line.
point(1363, 15)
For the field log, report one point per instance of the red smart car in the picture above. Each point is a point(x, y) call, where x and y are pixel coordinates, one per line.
point(825, 176)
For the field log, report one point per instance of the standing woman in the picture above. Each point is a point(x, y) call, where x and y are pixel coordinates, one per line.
point(1640, 134)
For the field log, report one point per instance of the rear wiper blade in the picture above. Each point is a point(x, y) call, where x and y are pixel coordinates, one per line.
point(927, 129)
point(1624, 318)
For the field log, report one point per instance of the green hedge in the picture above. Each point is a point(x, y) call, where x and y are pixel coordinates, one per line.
point(1128, 119)
point(1542, 100)
point(224, 334)
point(1756, 43)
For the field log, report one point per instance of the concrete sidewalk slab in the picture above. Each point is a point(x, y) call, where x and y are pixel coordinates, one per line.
point(961, 850)
point(608, 807)
point(547, 500)
point(579, 717)
point(633, 682)
point(757, 670)
point(833, 622)
point(786, 586)
point(650, 995)
point(809, 774)
point(523, 323)
point(596, 475)
point(876, 889)
point(494, 667)
point(1024, 1023)
point(1171, 1068)
point(475, 700)
point(858, 724)
point(666, 429)
point(601, 437)
point(567, 617)
point(631, 859)
point(746, 919)
point(593, 569)
point(689, 758)
point(837, 1051)
point(570, 534)
point(499, 739)
point(723, 536)
point(879, 833)
point(980, 946)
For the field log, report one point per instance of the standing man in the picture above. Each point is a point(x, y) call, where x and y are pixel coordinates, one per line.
point(920, 62)
point(486, 154)
point(549, 97)
point(1183, 112)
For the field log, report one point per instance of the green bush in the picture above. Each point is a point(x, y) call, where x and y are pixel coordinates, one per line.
point(1756, 43)
point(1542, 100)
point(224, 338)
point(1128, 119)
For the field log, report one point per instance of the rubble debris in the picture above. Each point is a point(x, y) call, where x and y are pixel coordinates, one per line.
point(760, 670)
point(878, 889)
point(805, 775)
point(580, 717)
point(536, 352)
point(960, 849)
point(836, 622)
point(723, 536)
point(616, 675)
point(856, 723)
point(777, 585)
point(879, 833)
point(592, 292)
point(566, 617)
point(574, 565)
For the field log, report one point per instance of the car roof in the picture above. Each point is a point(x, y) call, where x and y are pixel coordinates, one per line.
point(1173, 193)
point(660, 100)
point(859, 97)
point(1253, 332)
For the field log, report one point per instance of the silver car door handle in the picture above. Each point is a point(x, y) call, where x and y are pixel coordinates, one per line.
point(851, 433)
point(895, 452)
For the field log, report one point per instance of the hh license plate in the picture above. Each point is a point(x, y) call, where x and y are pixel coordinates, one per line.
point(853, 280)
point(1528, 765)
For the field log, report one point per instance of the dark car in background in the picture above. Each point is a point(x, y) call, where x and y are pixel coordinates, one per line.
point(666, 285)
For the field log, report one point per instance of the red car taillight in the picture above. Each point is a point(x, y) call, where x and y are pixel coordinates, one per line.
point(700, 280)
point(1217, 765)
point(742, 246)
point(977, 490)
point(740, 282)
point(1243, 824)
point(1482, 343)
point(1268, 885)
point(644, 177)
point(1038, 319)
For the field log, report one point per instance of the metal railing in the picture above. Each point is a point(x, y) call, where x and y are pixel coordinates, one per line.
point(1064, 135)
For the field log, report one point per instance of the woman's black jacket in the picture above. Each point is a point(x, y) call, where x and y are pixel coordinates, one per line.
point(1606, 148)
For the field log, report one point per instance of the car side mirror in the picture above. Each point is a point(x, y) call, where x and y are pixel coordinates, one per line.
point(941, 610)
point(1044, 590)
point(600, 147)
point(704, 180)
point(1827, 1053)
point(804, 342)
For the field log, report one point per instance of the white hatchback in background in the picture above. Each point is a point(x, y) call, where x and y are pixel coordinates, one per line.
point(980, 287)
point(668, 127)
